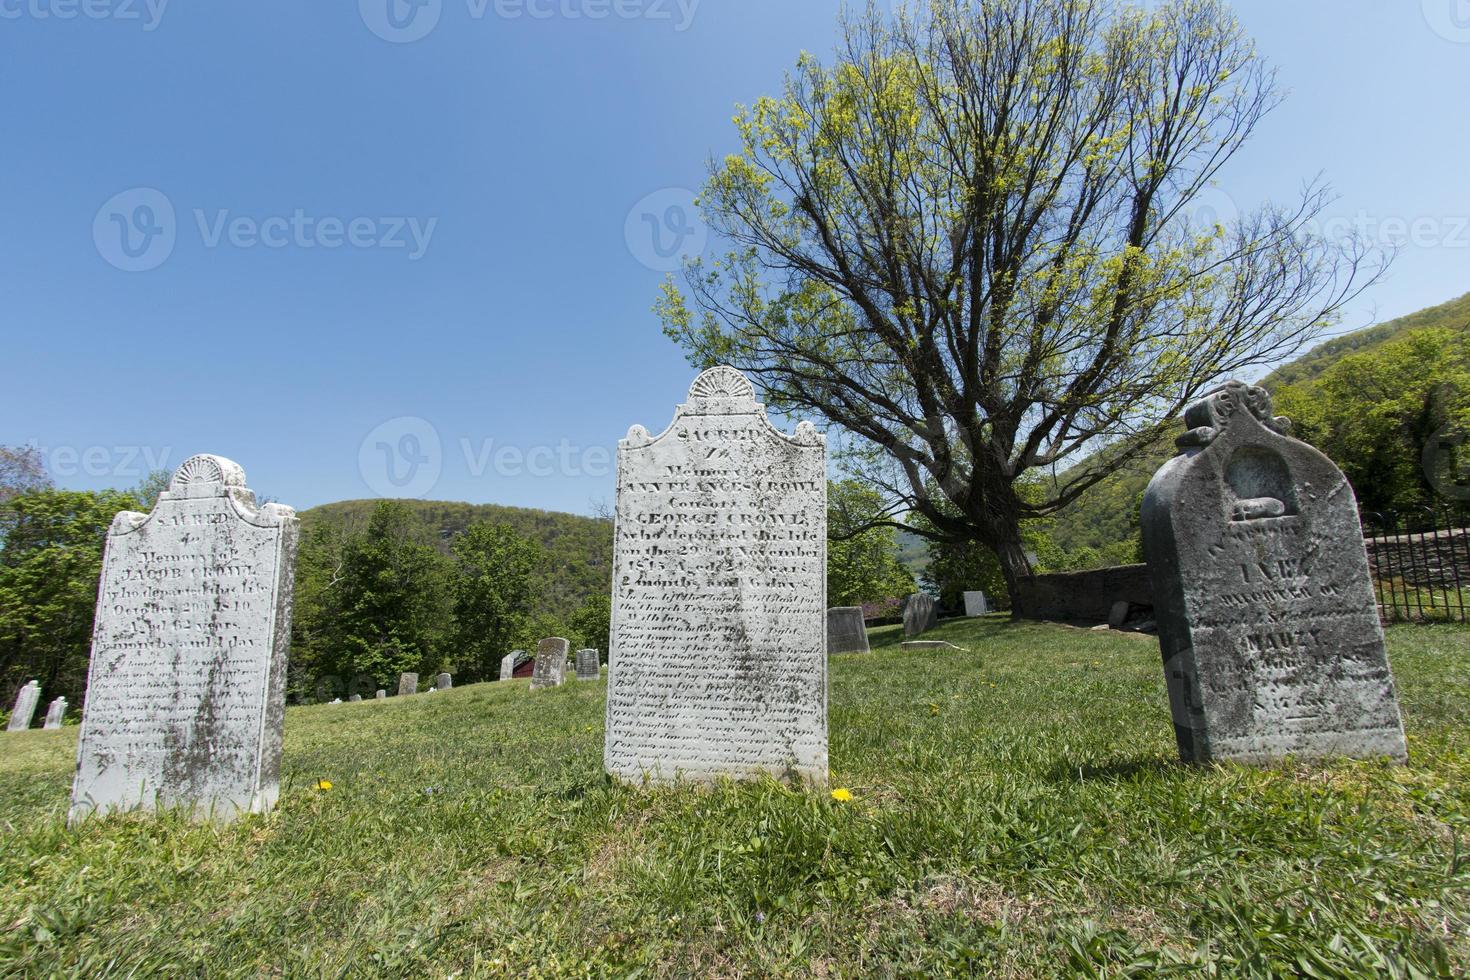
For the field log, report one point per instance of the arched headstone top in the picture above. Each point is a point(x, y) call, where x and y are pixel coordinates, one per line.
point(207, 470)
point(722, 384)
point(1209, 417)
point(723, 391)
point(205, 475)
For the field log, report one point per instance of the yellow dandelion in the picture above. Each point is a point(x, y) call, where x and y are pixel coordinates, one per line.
point(323, 784)
point(842, 795)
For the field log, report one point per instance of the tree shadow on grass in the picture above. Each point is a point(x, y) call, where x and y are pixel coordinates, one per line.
point(1138, 769)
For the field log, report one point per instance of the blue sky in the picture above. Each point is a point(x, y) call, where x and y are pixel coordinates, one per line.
point(381, 240)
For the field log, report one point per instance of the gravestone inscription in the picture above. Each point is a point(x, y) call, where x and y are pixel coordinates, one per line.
point(186, 694)
point(1266, 612)
point(846, 631)
point(717, 662)
point(920, 615)
point(24, 711)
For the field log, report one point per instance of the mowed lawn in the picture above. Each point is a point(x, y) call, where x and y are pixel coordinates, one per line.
point(1016, 810)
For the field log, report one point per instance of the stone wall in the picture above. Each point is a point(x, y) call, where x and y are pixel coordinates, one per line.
point(1435, 559)
point(1085, 596)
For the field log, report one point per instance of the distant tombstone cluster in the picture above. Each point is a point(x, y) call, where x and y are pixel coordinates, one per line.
point(717, 662)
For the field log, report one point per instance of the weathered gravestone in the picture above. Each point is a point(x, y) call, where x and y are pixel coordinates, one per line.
point(508, 664)
point(589, 665)
point(354, 699)
point(846, 631)
point(551, 663)
point(1266, 614)
point(380, 695)
point(920, 615)
point(976, 604)
point(55, 714)
point(444, 682)
point(186, 694)
point(24, 711)
point(717, 663)
point(408, 684)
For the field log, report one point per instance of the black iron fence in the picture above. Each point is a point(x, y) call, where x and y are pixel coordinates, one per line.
point(1420, 559)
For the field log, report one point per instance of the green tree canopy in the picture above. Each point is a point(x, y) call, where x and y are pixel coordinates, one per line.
point(862, 554)
point(493, 595)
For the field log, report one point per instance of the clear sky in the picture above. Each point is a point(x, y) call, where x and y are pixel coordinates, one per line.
point(357, 232)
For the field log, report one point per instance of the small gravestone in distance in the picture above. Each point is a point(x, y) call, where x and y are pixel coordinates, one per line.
point(717, 662)
point(1266, 613)
point(186, 695)
point(508, 665)
point(382, 694)
point(55, 714)
point(408, 684)
point(846, 631)
point(24, 711)
point(589, 665)
point(551, 663)
point(355, 698)
point(443, 682)
point(920, 615)
point(335, 701)
point(976, 604)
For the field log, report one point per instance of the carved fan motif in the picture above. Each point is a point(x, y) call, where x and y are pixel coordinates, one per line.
point(722, 382)
point(205, 468)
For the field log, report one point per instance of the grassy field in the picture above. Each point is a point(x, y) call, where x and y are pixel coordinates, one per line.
point(1016, 811)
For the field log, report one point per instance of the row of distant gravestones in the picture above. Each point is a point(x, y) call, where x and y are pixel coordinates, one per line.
point(717, 661)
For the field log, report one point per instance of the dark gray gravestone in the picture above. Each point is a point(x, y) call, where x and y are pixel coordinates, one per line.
point(354, 699)
point(408, 684)
point(920, 614)
point(589, 665)
point(551, 663)
point(1266, 613)
point(846, 632)
point(444, 682)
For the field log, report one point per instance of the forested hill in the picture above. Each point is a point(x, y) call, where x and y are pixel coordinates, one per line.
point(1454, 315)
point(1107, 515)
point(578, 549)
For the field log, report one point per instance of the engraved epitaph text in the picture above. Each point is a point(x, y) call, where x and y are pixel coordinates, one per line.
point(717, 663)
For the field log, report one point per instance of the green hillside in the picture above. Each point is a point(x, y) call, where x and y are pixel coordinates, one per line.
point(1015, 811)
point(578, 549)
point(1108, 513)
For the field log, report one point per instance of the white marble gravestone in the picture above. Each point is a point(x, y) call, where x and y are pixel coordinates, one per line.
point(186, 691)
point(24, 711)
point(976, 604)
point(55, 714)
point(508, 664)
point(589, 665)
point(551, 663)
point(1266, 612)
point(847, 631)
point(408, 684)
point(920, 615)
point(381, 695)
point(717, 664)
